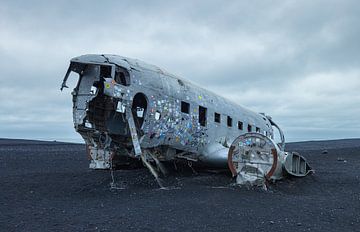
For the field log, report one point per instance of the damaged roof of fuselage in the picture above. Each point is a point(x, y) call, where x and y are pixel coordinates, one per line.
point(122, 61)
point(139, 65)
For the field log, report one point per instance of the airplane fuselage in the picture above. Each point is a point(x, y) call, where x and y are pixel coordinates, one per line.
point(169, 112)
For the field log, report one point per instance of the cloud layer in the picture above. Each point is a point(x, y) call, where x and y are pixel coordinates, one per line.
point(298, 61)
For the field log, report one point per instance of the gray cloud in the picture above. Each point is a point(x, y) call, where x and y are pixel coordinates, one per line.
point(296, 60)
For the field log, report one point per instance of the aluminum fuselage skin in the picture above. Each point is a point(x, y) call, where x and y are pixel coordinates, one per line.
point(164, 124)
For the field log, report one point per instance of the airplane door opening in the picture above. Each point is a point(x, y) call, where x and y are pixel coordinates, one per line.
point(138, 109)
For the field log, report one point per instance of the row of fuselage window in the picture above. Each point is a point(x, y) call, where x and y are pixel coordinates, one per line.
point(185, 108)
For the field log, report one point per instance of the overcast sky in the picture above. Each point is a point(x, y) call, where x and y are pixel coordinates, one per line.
point(298, 61)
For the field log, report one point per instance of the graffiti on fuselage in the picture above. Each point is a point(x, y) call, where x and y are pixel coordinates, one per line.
point(173, 126)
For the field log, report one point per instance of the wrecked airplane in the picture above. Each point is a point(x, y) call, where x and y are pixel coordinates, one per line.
point(124, 107)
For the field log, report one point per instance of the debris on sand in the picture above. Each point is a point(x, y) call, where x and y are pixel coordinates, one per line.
point(341, 159)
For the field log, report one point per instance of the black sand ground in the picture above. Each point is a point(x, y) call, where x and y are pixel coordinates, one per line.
point(47, 186)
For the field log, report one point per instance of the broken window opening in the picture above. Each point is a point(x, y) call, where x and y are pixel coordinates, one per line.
point(229, 121)
point(217, 117)
point(240, 125)
point(122, 77)
point(202, 115)
point(105, 71)
point(185, 107)
point(249, 128)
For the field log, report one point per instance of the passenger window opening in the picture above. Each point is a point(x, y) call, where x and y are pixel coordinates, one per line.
point(229, 121)
point(122, 77)
point(202, 116)
point(217, 117)
point(185, 107)
point(249, 128)
point(240, 125)
point(257, 129)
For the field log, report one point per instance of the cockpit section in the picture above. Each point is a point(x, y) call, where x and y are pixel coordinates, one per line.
point(100, 100)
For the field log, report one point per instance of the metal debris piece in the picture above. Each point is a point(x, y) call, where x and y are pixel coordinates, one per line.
point(133, 133)
point(152, 170)
point(296, 165)
point(160, 166)
point(254, 159)
point(341, 159)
